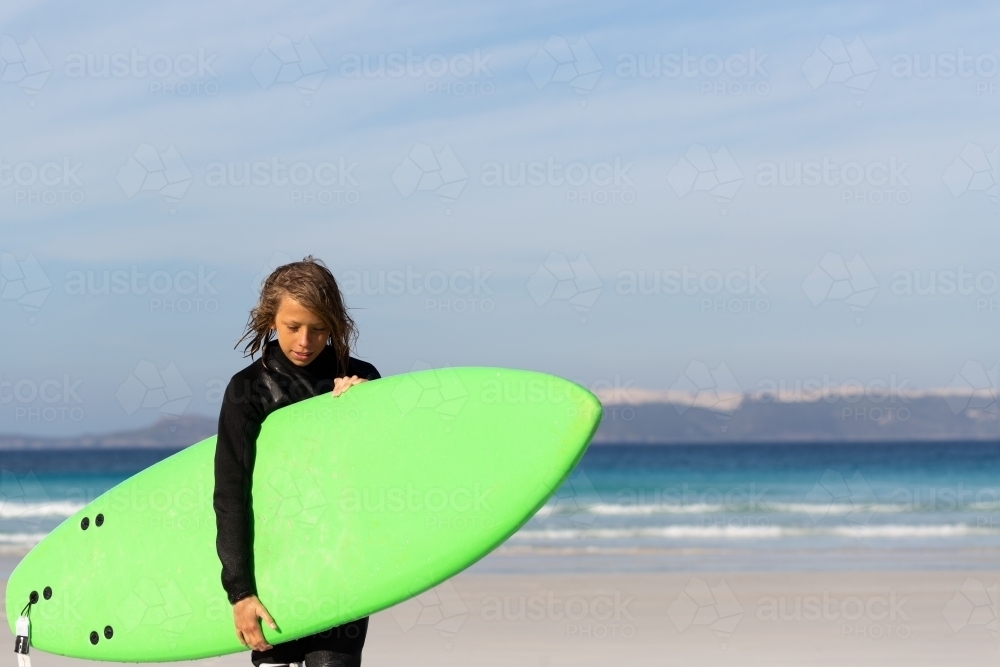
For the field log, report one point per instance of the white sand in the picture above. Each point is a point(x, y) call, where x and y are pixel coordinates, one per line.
point(843, 618)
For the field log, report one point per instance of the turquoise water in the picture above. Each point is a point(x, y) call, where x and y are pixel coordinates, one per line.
point(671, 507)
point(883, 506)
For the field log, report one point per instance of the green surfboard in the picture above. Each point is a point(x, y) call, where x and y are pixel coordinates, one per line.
point(359, 502)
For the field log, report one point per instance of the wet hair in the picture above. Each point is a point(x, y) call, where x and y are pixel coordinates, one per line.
point(310, 283)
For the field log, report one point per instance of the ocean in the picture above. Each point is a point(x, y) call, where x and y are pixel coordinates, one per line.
point(669, 507)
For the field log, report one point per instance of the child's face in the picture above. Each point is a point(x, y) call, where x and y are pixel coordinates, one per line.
point(302, 335)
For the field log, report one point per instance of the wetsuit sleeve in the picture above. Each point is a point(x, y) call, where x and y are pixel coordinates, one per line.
point(235, 450)
point(362, 369)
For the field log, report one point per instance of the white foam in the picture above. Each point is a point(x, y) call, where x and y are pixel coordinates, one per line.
point(26, 539)
point(821, 509)
point(18, 509)
point(623, 509)
point(660, 531)
point(836, 509)
point(754, 532)
point(847, 391)
point(950, 530)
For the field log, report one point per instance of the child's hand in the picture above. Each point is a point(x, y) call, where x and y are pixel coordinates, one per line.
point(246, 613)
point(340, 385)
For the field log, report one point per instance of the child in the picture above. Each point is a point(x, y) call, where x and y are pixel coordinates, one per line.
point(302, 304)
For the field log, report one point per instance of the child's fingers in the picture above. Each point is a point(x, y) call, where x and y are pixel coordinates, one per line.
point(267, 618)
point(340, 385)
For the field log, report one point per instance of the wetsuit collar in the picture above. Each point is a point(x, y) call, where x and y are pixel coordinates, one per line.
point(318, 367)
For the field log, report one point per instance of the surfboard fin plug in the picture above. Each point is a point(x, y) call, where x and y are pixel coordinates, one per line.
point(23, 627)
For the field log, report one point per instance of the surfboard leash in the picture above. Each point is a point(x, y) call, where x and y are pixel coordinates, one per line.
point(21, 641)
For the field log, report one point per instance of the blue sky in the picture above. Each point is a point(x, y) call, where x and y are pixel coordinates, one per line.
point(668, 177)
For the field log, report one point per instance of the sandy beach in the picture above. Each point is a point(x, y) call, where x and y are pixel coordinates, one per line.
point(919, 617)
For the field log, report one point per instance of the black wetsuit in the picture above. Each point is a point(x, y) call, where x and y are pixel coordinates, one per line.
point(253, 394)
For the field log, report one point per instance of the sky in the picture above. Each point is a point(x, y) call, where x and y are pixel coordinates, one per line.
point(636, 196)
